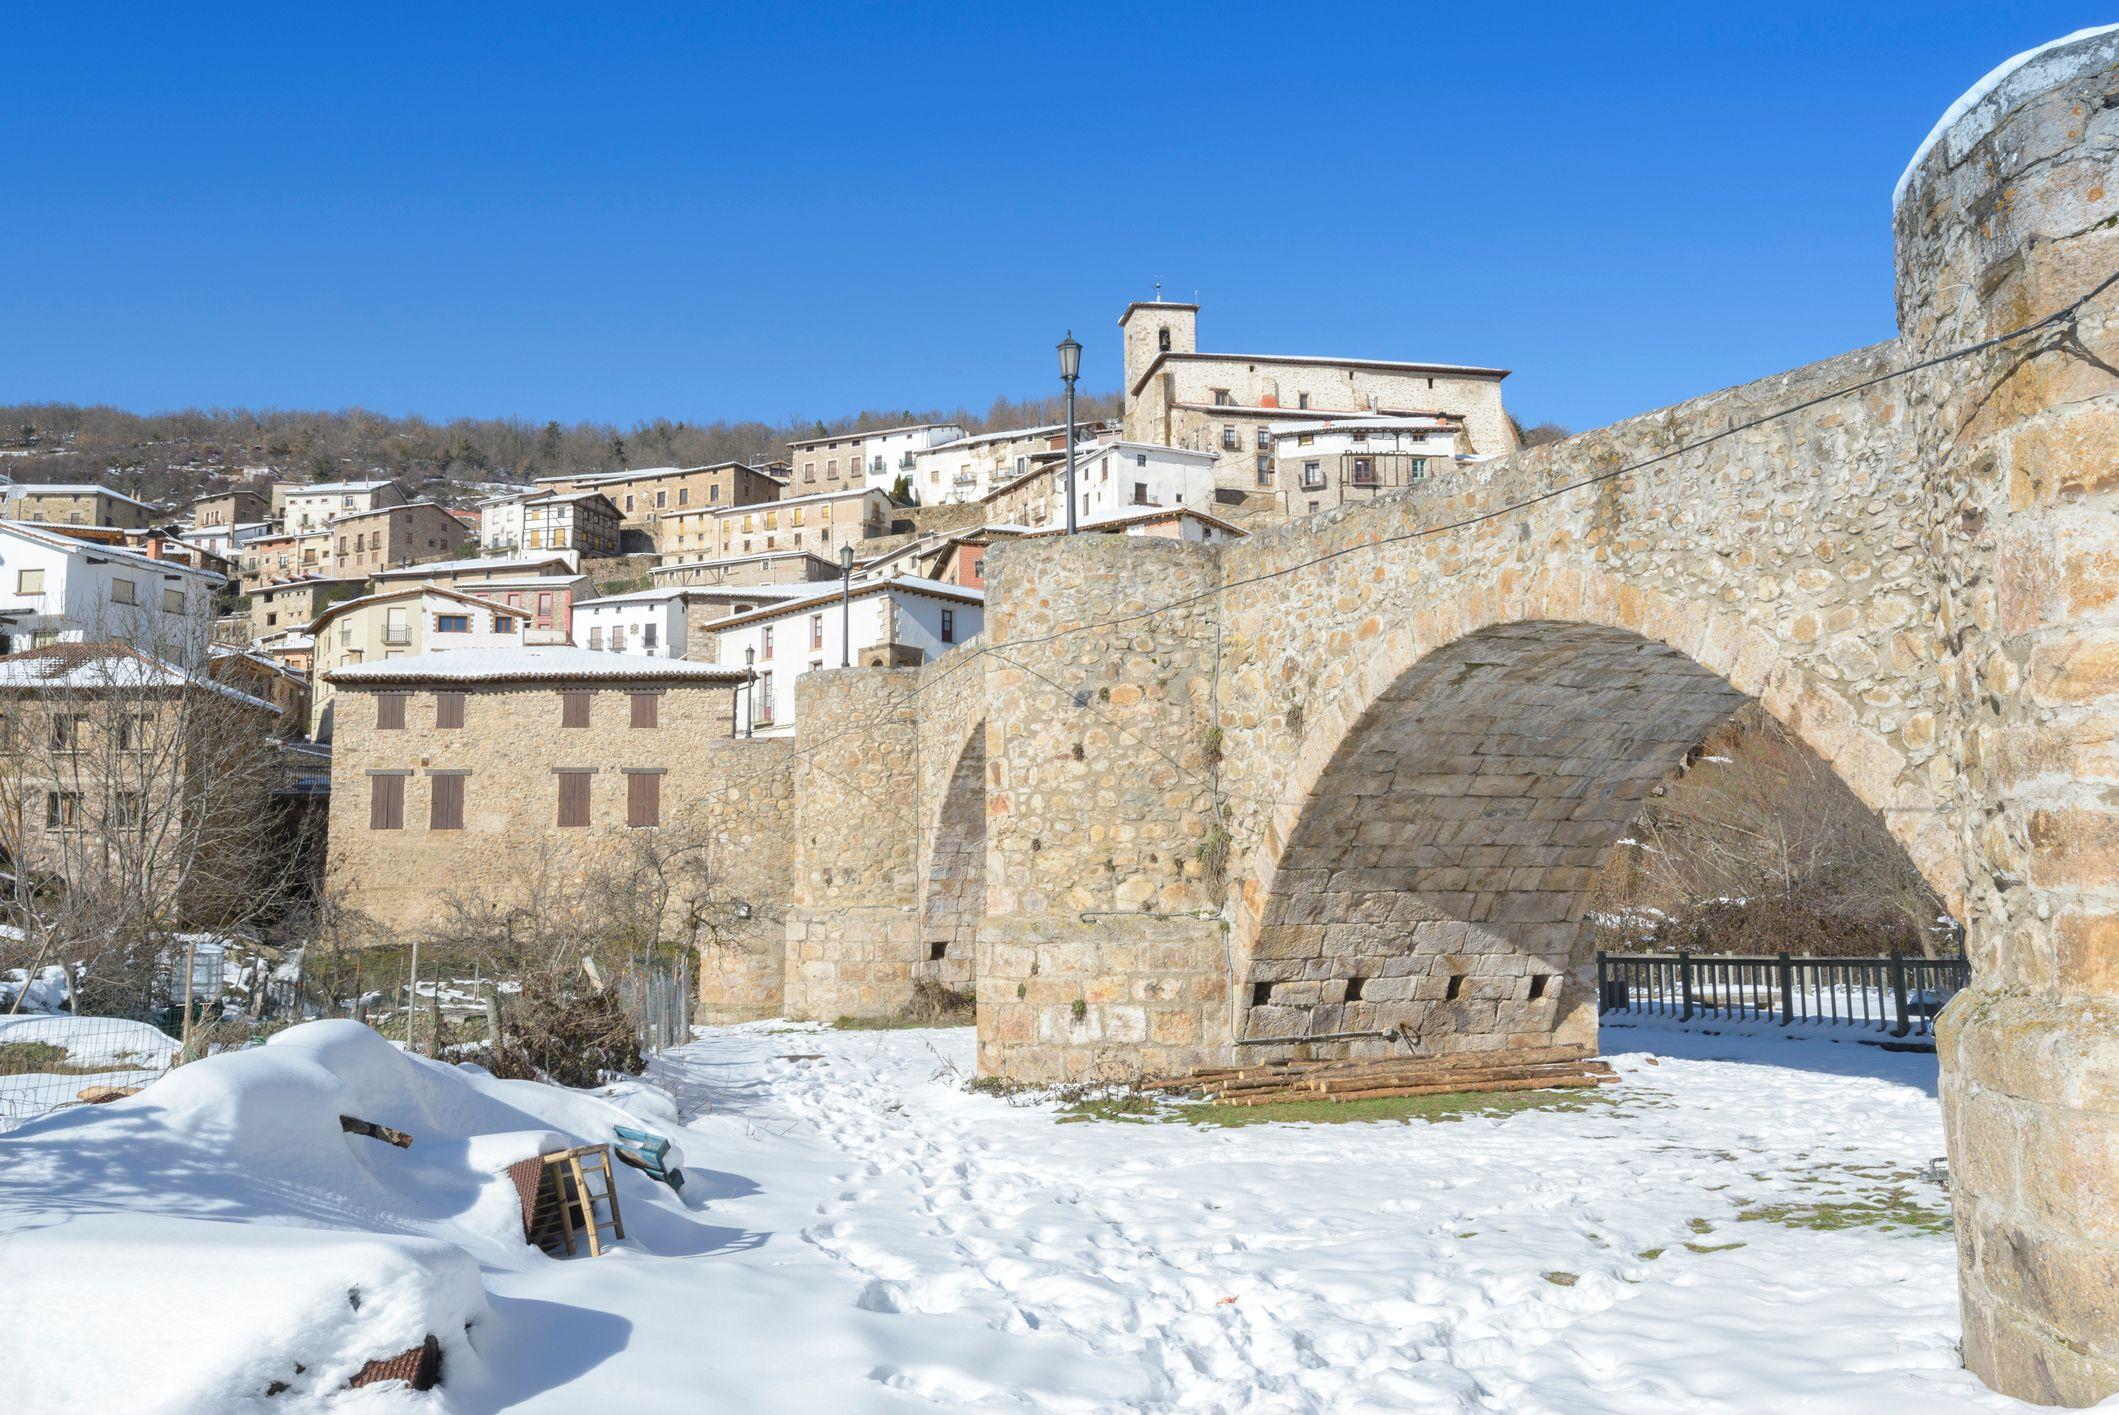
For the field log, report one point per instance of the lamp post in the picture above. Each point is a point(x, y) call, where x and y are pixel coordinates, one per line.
point(1070, 355)
point(750, 690)
point(846, 604)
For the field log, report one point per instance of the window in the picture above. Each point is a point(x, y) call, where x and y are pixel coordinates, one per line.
point(1306, 439)
point(503, 625)
point(809, 471)
point(765, 642)
point(1265, 470)
point(1229, 440)
point(794, 515)
point(684, 496)
point(389, 712)
point(1140, 459)
point(765, 700)
point(1312, 476)
point(644, 708)
point(647, 637)
point(172, 601)
point(662, 499)
point(68, 729)
point(448, 709)
point(62, 810)
point(386, 802)
point(1140, 492)
point(978, 568)
point(573, 798)
point(29, 582)
point(1302, 400)
point(618, 638)
point(544, 603)
point(445, 801)
point(1364, 471)
point(1416, 469)
point(643, 799)
point(1313, 507)
point(573, 707)
point(629, 501)
point(1222, 398)
point(816, 632)
point(453, 623)
point(949, 626)
point(124, 592)
point(135, 731)
point(128, 809)
point(1265, 440)
point(713, 493)
point(397, 626)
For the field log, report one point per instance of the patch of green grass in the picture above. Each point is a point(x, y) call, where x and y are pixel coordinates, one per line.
point(1711, 1247)
point(1699, 1225)
point(1563, 1279)
point(51, 1059)
point(890, 1024)
point(1463, 1105)
point(1125, 1109)
point(1649, 1255)
point(1892, 1210)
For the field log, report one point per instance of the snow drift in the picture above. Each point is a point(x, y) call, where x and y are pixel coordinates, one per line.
point(218, 1237)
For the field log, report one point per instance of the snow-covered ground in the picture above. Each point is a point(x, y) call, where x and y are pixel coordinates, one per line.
point(862, 1233)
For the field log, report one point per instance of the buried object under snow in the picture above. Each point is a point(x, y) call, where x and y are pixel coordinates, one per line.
point(220, 1236)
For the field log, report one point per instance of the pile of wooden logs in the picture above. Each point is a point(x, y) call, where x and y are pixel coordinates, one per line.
point(1523, 1069)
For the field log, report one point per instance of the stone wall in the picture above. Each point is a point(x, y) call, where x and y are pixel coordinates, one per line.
point(1101, 950)
point(2012, 216)
point(852, 922)
point(951, 801)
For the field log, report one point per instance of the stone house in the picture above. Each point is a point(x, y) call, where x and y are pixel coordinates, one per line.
point(311, 506)
point(236, 507)
point(817, 522)
point(293, 604)
point(852, 461)
point(783, 567)
point(894, 623)
point(1109, 477)
point(466, 773)
point(1322, 465)
point(400, 622)
point(270, 559)
point(1230, 404)
point(544, 589)
point(584, 522)
point(969, 468)
point(366, 542)
point(77, 504)
point(116, 765)
point(646, 495)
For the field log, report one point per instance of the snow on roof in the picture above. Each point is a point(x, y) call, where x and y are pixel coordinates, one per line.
point(1010, 434)
point(335, 488)
point(106, 668)
point(807, 498)
point(1370, 422)
point(2004, 86)
point(1130, 515)
point(490, 565)
point(525, 582)
point(742, 559)
point(864, 434)
point(73, 545)
point(710, 591)
point(910, 584)
point(76, 488)
point(530, 664)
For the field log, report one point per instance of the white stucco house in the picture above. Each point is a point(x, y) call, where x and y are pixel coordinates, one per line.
point(1326, 462)
point(1110, 476)
point(897, 622)
point(659, 623)
point(55, 588)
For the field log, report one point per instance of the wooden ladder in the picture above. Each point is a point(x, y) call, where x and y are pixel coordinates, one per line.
point(568, 1172)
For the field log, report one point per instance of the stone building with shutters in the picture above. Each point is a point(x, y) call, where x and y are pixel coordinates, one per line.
point(464, 774)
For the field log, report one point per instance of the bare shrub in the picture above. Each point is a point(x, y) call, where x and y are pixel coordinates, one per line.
point(1757, 847)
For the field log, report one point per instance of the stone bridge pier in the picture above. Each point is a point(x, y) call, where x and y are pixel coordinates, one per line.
point(1352, 779)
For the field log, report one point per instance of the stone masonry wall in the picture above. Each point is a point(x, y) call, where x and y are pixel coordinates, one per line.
point(852, 923)
point(951, 800)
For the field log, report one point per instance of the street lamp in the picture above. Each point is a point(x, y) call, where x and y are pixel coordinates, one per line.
point(1070, 352)
point(846, 604)
point(750, 690)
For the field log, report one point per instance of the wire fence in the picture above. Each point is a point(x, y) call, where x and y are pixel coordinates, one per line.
point(210, 995)
point(1897, 995)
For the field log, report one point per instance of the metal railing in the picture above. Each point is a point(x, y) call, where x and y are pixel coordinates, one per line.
point(1898, 995)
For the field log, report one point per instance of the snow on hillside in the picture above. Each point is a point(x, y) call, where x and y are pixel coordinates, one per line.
point(1715, 1233)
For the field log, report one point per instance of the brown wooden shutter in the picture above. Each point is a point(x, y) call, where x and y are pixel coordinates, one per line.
point(389, 711)
point(644, 709)
point(573, 798)
point(386, 803)
point(574, 708)
point(643, 798)
point(446, 810)
point(448, 709)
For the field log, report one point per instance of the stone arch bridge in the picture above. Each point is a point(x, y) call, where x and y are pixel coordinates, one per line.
point(1280, 796)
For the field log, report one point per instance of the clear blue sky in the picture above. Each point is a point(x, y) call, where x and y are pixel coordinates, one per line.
point(746, 211)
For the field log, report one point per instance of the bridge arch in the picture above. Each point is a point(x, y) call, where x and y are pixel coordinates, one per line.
point(953, 873)
point(1438, 860)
